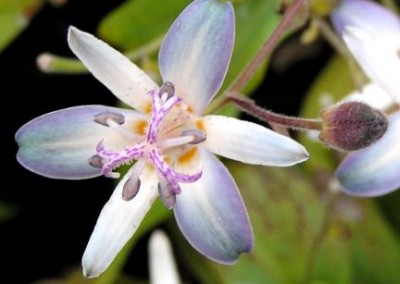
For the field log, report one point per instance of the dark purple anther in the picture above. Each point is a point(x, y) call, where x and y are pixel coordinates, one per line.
point(96, 161)
point(167, 197)
point(167, 87)
point(131, 188)
point(103, 117)
point(199, 136)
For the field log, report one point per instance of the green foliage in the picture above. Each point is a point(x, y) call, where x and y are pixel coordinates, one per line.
point(302, 236)
point(14, 18)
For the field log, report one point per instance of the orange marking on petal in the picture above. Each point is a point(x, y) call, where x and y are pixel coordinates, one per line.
point(147, 109)
point(200, 125)
point(140, 127)
point(188, 155)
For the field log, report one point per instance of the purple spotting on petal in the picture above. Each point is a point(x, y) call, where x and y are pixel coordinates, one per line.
point(196, 52)
point(211, 214)
point(374, 171)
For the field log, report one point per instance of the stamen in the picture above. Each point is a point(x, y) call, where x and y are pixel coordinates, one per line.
point(159, 111)
point(199, 136)
point(167, 88)
point(176, 141)
point(132, 185)
point(172, 177)
point(131, 188)
point(96, 161)
point(104, 117)
point(167, 197)
point(115, 159)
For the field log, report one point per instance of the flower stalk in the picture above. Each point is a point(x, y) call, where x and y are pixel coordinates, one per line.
point(297, 123)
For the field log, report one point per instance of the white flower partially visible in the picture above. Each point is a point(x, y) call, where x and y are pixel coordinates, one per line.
point(372, 33)
point(162, 264)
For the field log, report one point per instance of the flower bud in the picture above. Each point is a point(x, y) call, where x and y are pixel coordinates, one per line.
point(352, 126)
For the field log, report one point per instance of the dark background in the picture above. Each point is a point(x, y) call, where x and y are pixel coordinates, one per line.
point(55, 218)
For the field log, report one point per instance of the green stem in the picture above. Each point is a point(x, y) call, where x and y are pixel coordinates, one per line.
point(244, 77)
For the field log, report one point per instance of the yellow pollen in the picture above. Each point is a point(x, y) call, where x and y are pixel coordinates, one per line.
point(140, 127)
point(189, 109)
point(188, 156)
point(147, 109)
point(200, 125)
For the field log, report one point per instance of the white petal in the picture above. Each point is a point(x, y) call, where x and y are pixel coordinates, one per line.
point(373, 95)
point(250, 143)
point(161, 260)
point(379, 59)
point(117, 222)
point(197, 50)
point(123, 78)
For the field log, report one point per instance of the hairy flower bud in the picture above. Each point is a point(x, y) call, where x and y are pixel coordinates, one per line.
point(352, 126)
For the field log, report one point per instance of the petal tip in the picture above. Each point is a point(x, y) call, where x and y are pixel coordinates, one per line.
point(88, 271)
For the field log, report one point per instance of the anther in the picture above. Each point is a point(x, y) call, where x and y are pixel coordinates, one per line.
point(103, 117)
point(199, 136)
point(96, 161)
point(130, 188)
point(167, 88)
point(167, 197)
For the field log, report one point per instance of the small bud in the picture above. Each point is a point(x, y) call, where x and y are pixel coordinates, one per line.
point(351, 126)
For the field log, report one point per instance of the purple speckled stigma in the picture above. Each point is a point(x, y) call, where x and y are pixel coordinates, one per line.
point(163, 100)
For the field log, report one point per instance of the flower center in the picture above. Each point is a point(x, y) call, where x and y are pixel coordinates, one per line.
point(164, 131)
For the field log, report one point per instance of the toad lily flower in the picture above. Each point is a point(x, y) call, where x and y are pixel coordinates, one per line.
point(167, 137)
point(372, 34)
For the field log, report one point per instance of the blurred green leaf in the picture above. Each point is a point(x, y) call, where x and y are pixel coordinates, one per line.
point(137, 22)
point(333, 83)
point(301, 239)
point(15, 16)
point(7, 211)
point(375, 249)
point(255, 22)
point(285, 213)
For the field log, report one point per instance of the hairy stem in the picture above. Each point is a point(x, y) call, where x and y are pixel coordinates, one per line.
point(252, 109)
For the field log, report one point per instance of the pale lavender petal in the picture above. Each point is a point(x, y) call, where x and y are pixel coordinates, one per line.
point(367, 15)
point(117, 222)
point(373, 36)
point(197, 49)
point(59, 144)
point(376, 170)
point(123, 78)
point(211, 214)
point(249, 142)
